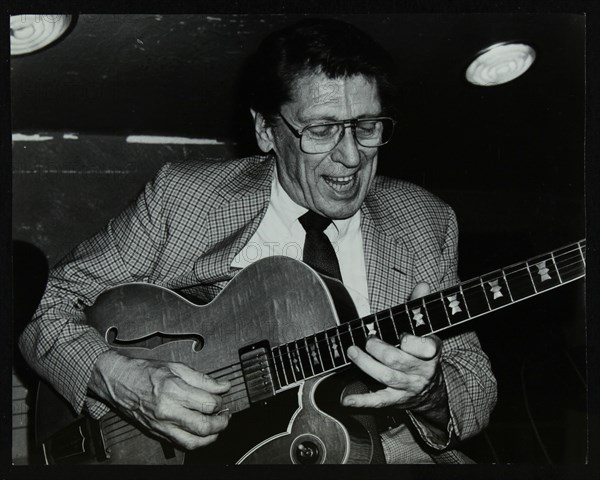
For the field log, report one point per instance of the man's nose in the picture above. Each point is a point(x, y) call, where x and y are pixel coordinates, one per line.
point(347, 151)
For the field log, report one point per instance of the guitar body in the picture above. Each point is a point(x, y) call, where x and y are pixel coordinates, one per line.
point(272, 302)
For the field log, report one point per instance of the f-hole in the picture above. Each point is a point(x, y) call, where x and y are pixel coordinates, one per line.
point(154, 340)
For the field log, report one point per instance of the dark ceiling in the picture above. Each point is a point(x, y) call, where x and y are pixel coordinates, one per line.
point(177, 74)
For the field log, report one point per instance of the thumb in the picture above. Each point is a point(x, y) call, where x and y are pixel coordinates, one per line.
point(420, 290)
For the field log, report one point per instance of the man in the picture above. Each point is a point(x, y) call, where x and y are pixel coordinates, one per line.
point(320, 94)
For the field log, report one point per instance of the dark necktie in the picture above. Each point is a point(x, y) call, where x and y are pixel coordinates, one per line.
point(318, 251)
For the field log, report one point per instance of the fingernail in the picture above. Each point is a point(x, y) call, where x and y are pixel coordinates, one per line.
point(349, 402)
point(352, 353)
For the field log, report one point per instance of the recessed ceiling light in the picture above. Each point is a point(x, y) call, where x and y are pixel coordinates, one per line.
point(500, 63)
point(29, 33)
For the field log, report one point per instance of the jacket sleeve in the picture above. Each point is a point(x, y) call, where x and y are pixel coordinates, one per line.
point(469, 381)
point(58, 343)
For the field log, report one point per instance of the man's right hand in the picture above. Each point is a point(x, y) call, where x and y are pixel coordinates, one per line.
point(170, 399)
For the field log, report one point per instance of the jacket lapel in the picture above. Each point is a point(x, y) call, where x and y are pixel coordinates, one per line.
point(389, 264)
point(233, 223)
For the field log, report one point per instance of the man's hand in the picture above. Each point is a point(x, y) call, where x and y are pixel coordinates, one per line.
point(412, 374)
point(170, 399)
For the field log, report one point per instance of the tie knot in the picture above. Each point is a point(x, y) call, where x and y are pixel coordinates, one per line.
point(313, 221)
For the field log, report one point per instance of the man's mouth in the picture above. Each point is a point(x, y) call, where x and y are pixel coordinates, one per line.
point(341, 184)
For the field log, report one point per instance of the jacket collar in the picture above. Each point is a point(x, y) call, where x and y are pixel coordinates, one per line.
point(389, 264)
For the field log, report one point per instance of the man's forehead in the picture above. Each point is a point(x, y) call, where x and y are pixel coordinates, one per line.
point(317, 92)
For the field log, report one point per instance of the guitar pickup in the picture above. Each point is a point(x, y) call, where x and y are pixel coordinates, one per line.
point(258, 371)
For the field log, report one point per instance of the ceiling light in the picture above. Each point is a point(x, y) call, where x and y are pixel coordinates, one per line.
point(29, 33)
point(500, 63)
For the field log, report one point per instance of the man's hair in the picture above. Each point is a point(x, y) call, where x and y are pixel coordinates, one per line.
point(313, 46)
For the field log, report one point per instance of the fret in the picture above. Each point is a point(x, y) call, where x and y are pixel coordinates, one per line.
point(436, 312)
point(495, 290)
point(410, 324)
point(520, 280)
point(305, 361)
point(486, 298)
point(391, 317)
point(461, 295)
point(455, 305)
point(359, 332)
point(530, 276)
point(325, 348)
point(375, 322)
point(581, 252)
point(387, 328)
point(444, 305)
point(315, 355)
point(556, 267)
point(345, 336)
point(287, 364)
point(544, 273)
point(418, 317)
point(279, 368)
point(507, 286)
point(570, 261)
point(401, 320)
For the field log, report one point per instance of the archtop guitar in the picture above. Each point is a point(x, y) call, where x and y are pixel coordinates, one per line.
point(274, 333)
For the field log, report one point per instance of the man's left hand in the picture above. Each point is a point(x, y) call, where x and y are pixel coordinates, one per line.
point(411, 373)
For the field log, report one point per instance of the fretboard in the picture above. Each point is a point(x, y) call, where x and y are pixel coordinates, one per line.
point(326, 351)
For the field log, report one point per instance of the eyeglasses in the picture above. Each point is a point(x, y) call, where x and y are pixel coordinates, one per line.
point(324, 137)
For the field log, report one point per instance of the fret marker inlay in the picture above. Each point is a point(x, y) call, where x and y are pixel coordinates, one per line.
point(543, 271)
point(371, 329)
point(495, 289)
point(314, 356)
point(453, 304)
point(418, 317)
point(334, 345)
point(295, 361)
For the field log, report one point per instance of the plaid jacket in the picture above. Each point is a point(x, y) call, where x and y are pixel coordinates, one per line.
point(183, 232)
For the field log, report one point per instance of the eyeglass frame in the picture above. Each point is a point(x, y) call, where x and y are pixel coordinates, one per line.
point(351, 122)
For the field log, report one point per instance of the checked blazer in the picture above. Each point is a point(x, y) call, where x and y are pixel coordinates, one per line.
point(183, 233)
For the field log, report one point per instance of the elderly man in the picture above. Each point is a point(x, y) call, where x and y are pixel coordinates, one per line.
point(321, 95)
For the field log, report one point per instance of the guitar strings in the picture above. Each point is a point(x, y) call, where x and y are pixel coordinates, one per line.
point(235, 368)
point(355, 328)
point(565, 268)
point(558, 259)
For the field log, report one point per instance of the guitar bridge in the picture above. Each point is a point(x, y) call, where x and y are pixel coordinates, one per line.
point(257, 370)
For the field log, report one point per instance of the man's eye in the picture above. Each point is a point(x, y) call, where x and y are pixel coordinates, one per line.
point(367, 128)
point(322, 131)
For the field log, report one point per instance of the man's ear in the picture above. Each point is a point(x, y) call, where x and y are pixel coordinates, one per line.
point(264, 134)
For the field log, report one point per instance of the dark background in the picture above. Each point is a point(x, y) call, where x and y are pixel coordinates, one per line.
point(508, 159)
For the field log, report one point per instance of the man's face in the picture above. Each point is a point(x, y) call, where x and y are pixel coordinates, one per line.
point(335, 183)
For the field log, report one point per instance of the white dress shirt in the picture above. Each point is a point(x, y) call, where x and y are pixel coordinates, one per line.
point(280, 233)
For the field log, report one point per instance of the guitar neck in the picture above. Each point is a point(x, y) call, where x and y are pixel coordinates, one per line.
point(326, 351)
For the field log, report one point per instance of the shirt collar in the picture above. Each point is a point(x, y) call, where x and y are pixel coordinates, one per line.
point(289, 211)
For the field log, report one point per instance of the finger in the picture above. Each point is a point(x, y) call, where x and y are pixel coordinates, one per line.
point(176, 392)
point(375, 369)
point(198, 423)
point(388, 354)
point(199, 380)
point(380, 399)
point(189, 441)
point(424, 348)
point(420, 290)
